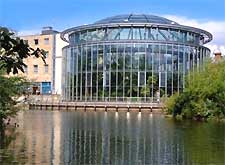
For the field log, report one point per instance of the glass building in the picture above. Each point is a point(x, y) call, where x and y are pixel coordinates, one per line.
point(134, 58)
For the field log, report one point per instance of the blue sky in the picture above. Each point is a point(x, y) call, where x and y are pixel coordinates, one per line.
point(29, 16)
point(61, 14)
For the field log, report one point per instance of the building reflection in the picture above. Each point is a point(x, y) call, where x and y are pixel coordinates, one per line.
point(107, 138)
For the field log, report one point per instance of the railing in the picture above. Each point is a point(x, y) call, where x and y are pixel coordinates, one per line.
point(54, 102)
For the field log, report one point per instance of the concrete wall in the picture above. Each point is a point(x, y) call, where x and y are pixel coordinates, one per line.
point(41, 75)
point(58, 63)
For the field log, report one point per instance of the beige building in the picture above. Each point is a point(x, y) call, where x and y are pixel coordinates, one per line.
point(43, 75)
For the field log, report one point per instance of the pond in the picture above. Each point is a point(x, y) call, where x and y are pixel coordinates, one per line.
point(56, 137)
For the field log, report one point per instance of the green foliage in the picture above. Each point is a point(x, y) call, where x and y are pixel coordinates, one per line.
point(204, 94)
point(10, 89)
point(13, 50)
point(152, 80)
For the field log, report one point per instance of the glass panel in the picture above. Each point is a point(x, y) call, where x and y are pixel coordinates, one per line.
point(113, 79)
point(136, 34)
point(84, 58)
point(101, 34)
point(135, 79)
point(125, 34)
point(190, 38)
point(100, 85)
point(106, 79)
point(149, 60)
point(100, 57)
point(107, 56)
point(113, 34)
point(135, 57)
point(94, 49)
point(89, 60)
point(128, 57)
point(181, 66)
point(155, 49)
point(113, 94)
point(120, 57)
point(113, 57)
point(83, 36)
point(163, 34)
point(175, 69)
point(141, 79)
point(142, 57)
point(143, 33)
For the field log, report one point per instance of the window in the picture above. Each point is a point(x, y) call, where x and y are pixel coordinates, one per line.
point(46, 41)
point(36, 41)
point(46, 68)
point(46, 54)
point(35, 68)
point(25, 68)
point(25, 41)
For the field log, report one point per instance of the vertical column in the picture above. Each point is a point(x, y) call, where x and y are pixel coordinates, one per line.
point(73, 71)
point(166, 70)
point(77, 76)
point(86, 83)
point(172, 69)
point(81, 72)
point(138, 71)
point(124, 47)
point(97, 75)
point(178, 69)
point(184, 66)
point(159, 70)
point(131, 70)
point(145, 71)
point(68, 74)
point(152, 86)
point(64, 74)
point(103, 70)
point(189, 63)
point(91, 49)
point(117, 63)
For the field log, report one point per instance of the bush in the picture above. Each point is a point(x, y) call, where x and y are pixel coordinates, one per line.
point(10, 88)
point(204, 94)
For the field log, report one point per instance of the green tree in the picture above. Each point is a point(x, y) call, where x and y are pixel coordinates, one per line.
point(152, 84)
point(204, 94)
point(13, 51)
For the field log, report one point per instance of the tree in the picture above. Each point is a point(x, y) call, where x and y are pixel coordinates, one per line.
point(13, 51)
point(204, 94)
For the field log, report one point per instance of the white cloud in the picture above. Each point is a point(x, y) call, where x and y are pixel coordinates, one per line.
point(28, 32)
point(217, 28)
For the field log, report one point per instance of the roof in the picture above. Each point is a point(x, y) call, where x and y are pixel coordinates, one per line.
point(136, 18)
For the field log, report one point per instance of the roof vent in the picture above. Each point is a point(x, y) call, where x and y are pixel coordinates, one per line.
point(218, 55)
point(48, 30)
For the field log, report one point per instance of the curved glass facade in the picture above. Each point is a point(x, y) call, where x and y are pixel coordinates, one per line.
point(135, 33)
point(129, 64)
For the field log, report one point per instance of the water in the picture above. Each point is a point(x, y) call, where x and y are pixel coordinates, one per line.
point(46, 137)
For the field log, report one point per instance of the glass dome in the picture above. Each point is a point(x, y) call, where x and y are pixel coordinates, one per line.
point(136, 18)
point(130, 58)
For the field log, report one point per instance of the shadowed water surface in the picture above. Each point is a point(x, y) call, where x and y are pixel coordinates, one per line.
point(45, 137)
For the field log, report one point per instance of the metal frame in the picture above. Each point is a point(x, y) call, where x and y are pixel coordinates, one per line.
point(77, 51)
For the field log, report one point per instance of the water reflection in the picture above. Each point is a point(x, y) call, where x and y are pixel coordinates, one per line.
point(114, 138)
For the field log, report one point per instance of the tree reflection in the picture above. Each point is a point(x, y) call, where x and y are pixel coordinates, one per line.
point(8, 151)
